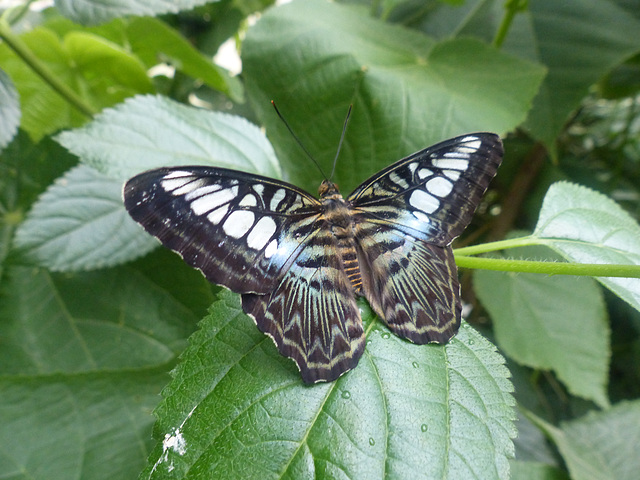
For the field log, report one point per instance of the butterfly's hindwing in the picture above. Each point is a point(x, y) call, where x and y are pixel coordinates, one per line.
point(312, 314)
point(412, 285)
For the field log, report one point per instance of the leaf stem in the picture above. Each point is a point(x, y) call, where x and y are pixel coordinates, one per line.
point(548, 268)
point(500, 245)
point(22, 50)
point(511, 8)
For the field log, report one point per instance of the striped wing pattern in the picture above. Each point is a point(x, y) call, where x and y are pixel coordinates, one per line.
point(300, 263)
point(407, 216)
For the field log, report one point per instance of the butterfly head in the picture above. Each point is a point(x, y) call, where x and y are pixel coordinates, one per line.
point(328, 189)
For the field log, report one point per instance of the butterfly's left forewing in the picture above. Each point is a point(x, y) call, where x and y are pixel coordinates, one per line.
point(406, 217)
point(232, 226)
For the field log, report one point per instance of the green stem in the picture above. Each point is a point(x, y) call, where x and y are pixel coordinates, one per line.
point(22, 50)
point(511, 8)
point(500, 245)
point(548, 268)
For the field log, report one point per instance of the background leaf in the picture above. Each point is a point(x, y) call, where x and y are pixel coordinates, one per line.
point(9, 110)
point(319, 57)
point(100, 72)
point(407, 410)
point(578, 41)
point(150, 132)
point(586, 227)
point(556, 323)
point(90, 12)
point(600, 445)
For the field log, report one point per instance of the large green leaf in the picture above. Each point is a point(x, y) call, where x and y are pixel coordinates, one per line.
point(90, 12)
point(314, 58)
point(585, 226)
point(579, 42)
point(600, 445)
point(94, 427)
point(118, 319)
point(83, 359)
point(100, 72)
point(148, 132)
point(556, 323)
point(237, 409)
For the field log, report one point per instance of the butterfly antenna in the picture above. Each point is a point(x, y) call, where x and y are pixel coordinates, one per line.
point(298, 140)
point(344, 130)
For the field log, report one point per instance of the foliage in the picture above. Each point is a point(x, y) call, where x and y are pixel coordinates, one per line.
point(93, 318)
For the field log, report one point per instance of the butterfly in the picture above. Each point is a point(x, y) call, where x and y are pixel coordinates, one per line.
point(300, 262)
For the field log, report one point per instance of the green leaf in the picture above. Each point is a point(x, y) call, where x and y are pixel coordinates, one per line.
point(238, 409)
point(83, 359)
point(314, 58)
point(600, 445)
point(149, 132)
point(91, 12)
point(79, 223)
point(551, 323)
point(59, 323)
point(153, 40)
point(579, 42)
point(100, 72)
point(585, 226)
point(59, 427)
point(9, 110)
point(536, 471)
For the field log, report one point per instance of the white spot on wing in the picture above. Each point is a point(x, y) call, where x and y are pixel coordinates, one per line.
point(439, 186)
point(421, 200)
point(214, 200)
point(218, 214)
point(424, 173)
point(472, 142)
point(238, 223)
point(277, 198)
point(261, 233)
point(175, 180)
point(398, 180)
point(421, 216)
point(248, 200)
point(451, 163)
point(271, 249)
point(452, 174)
point(202, 191)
